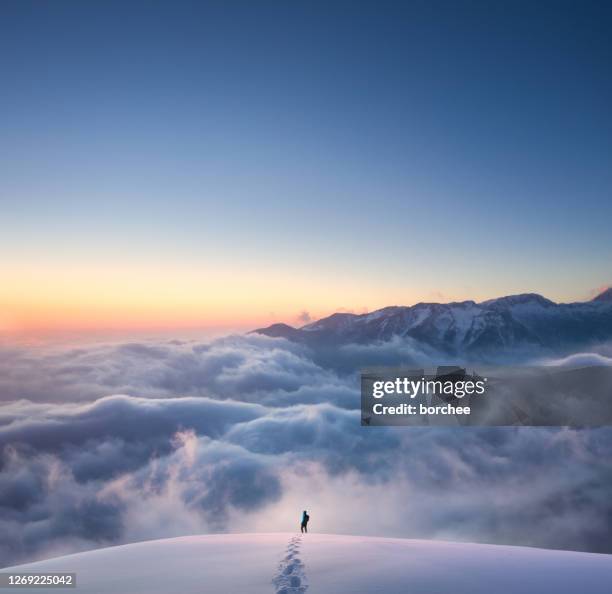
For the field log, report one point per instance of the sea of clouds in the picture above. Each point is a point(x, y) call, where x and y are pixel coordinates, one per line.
point(109, 443)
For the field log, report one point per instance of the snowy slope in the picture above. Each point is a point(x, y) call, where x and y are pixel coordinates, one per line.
point(328, 564)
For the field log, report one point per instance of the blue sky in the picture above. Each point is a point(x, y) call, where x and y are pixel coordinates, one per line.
point(330, 155)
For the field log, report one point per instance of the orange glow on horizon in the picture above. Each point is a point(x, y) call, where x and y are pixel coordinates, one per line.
point(41, 297)
point(52, 298)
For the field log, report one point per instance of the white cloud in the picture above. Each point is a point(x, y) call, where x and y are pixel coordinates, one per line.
point(241, 432)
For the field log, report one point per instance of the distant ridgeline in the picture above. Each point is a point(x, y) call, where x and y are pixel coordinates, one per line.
point(467, 328)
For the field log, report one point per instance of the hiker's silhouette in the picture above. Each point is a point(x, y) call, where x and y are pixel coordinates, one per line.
point(304, 524)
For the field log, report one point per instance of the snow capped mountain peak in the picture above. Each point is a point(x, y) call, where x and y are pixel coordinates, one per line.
point(604, 296)
point(337, 320)
point(520, 299)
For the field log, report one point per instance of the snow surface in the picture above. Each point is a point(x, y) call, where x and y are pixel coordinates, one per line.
point(327, 564)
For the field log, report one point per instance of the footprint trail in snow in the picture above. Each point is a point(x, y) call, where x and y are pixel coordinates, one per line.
point(290, 577)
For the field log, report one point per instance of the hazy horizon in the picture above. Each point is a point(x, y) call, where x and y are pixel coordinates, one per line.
point(67, 332)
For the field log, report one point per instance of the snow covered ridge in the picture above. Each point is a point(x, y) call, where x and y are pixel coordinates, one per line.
point(527, 321)
point(327, 564)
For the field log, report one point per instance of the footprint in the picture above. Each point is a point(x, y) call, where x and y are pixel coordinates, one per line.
point(290, 577)
point(293, 567)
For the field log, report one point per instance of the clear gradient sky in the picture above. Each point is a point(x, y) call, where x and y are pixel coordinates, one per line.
point(186, 164)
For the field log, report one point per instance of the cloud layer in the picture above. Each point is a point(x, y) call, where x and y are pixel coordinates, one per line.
point(111, 443)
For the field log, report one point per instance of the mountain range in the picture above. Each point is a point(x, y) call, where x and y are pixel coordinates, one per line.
point(467, 328)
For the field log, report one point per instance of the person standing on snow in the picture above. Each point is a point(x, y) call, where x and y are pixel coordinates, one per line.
point(304, 524)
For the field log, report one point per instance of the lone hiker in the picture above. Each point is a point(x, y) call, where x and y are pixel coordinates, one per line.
point(304, 524)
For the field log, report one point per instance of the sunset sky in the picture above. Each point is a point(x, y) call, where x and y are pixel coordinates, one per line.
point(232, 164)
